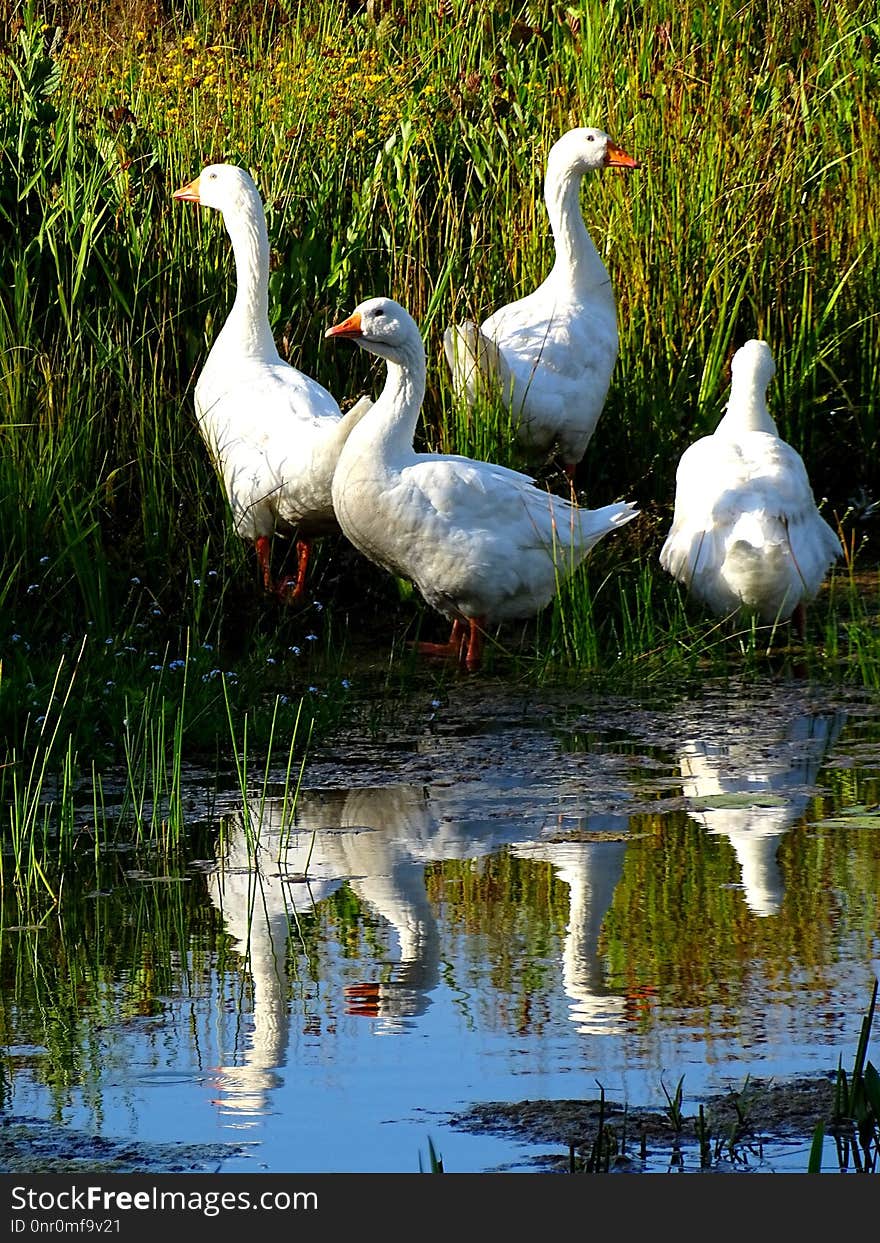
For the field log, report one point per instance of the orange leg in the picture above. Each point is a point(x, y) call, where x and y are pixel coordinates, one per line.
point(454, 649)
point(290, 589)
point(465, 645)
point(474, 657)
point(263, 546)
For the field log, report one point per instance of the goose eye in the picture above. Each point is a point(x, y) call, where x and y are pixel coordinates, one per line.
point(590, 138)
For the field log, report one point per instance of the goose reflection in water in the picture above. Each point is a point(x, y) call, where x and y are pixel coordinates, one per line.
point(377, 841)
point(592, 870)
point(757, 754)
point(253, 888)
point(382, 854)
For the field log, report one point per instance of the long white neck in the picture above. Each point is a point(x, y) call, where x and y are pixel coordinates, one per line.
point(247, 329)
point(390, 425)
point(578, 264)
point(747, 408)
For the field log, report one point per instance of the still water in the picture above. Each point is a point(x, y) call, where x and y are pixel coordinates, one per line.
point(486, 897)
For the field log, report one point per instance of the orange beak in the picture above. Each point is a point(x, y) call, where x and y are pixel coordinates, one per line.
point(188, 193)
point(350, 327)
point(616, 157)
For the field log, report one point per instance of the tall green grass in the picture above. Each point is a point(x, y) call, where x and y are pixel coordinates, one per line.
point(400, 149)
point(57, 809)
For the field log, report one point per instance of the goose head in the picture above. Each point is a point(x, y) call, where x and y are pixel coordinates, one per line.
point(226, 187)
point(383, 327)
point(753, 365)
point(583, 150)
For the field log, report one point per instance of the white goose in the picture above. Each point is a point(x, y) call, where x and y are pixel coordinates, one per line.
point(746, 533)
point(480, 541)
point(273, 433)
point(551, 354)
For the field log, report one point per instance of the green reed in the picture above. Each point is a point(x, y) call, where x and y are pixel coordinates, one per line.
point(60, 808)
point(37, 790)
point(248, 786)
point(855, 1121)
point(152, 744)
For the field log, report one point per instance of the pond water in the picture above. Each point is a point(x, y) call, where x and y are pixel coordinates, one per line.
point(490, 896)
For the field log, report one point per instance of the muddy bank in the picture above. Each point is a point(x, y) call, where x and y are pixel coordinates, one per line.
point(737, 1125)
point(32, 1146)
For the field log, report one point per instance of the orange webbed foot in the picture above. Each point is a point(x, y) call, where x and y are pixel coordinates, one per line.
point(465, 645)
